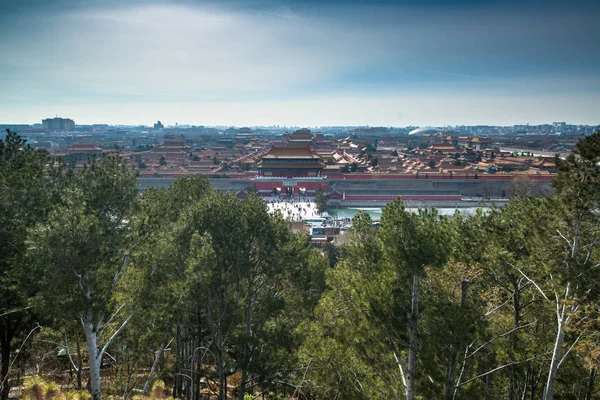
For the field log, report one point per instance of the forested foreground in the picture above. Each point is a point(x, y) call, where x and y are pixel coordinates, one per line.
point(191, 293)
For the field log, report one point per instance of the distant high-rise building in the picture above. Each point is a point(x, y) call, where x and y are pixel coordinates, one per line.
point(58, 124)
point(159, 125)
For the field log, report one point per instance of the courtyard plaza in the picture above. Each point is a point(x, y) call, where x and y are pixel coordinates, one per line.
point(293, 208)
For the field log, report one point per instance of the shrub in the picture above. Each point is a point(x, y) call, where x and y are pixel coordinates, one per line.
point(85, 395)
point(78, 395)
point(34, 388)
point(158, 389)
point(53, 391)
point(235, 380)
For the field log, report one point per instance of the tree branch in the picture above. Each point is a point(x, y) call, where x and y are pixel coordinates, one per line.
point(565, 239)
point(101, 332)
point(497, 307)
point(462, 370)
point(38, 326)
point(532, 282)
point(113, 284)
point(501, 335)
point(568, 351)
point(16, 310)
point(112, 338)
point(501, 367)
point(69, 354)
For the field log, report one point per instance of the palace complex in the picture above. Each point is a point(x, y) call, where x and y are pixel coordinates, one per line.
point(291, 170)
point(424, 166)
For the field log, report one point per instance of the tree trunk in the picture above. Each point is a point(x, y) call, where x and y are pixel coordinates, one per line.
point(154, 364)
point(221, 370)
point(5, 345)
point(200, 357)
point(412, 339)
point(242, 392)
point(452, 368)
point(92, 343)
point(79, 363)
point(220, 355)
point(575, 248)
point(556, 355)
point(195, 362)
point(590, 386)
point(177, 377)
point(513, 386)
point(246, 353)
point(186, 363)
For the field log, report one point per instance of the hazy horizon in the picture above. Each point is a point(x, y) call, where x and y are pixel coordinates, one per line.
point(301, 63)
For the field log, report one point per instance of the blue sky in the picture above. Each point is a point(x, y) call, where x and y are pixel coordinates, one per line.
point(304, 63)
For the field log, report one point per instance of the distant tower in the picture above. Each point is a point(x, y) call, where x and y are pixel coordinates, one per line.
point(58, 124)
point(159, 125)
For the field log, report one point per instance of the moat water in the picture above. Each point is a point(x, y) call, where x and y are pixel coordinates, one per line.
point(375, 212)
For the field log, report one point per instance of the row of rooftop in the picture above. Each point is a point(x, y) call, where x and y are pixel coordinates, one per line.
point(243, 155)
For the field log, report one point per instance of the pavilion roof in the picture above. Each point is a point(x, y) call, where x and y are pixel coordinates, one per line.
point(286, 165)
point(291, 152)
point(303, 134)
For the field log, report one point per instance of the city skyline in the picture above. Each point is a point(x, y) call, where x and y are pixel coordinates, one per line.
point(302, 63)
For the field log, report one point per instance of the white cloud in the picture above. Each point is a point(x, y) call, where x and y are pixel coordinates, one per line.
point(185, 50)
point(331, 64)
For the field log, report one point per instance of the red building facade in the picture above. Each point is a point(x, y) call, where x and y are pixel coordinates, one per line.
point(289, 187)
point(290, 170)
point(290, 162)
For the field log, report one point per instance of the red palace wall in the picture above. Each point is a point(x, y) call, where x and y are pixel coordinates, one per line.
point(436, 176)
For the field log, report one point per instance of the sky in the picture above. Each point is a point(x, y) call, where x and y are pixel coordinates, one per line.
point(300, 62)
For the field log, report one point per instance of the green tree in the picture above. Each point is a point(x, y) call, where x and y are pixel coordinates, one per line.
point(24, 199)
point(453, 317)
point(518, 320)
point(83, 249)
point(576, 260)
point(283, 271)
point(345, 351)
point(367, 326)
point(412, 242)
point(320, 200)
point(333, 254)
point(160, 282)
point(248, 267)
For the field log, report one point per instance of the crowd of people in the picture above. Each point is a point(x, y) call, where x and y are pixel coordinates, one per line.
point(294, 208)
